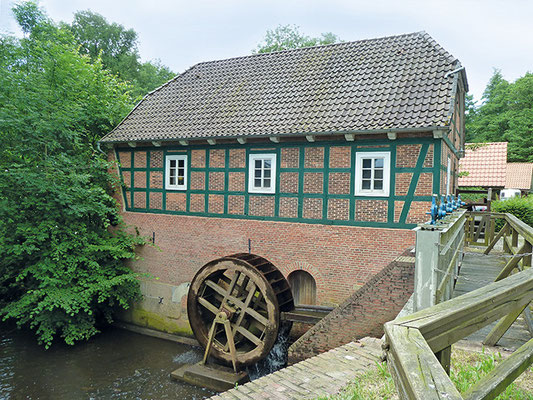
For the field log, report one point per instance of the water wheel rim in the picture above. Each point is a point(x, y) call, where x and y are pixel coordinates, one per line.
point(200, 310)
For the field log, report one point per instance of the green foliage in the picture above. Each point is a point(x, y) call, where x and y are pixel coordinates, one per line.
point(28, 15)
point(506, 114)
point(61, 269)
point(520, 207)
point(117, 48)
point(474, 197)
point(286, 37)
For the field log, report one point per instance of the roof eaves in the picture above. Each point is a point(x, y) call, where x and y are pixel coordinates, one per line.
point(297, 134)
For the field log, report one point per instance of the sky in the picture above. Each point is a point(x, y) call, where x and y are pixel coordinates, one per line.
point(483, 34)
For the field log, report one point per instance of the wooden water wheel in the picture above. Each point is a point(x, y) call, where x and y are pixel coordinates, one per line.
point(234, 305)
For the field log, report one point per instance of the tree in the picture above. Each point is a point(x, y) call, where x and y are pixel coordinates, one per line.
point(117, 48)
point(506, 114)
point(61, 269)
point(286, 37)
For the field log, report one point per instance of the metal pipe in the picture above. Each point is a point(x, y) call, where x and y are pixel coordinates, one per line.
point(453, 72)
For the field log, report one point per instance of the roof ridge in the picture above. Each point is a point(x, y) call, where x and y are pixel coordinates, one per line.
point(307, 48)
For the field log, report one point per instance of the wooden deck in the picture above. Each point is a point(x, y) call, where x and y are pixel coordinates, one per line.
point(478, 270)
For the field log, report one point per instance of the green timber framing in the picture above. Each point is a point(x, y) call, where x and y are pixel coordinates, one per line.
point(356, 146)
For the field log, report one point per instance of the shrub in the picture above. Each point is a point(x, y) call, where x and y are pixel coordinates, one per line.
point(61, 268)
point(520, 207)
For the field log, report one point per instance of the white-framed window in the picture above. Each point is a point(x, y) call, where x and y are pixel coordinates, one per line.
point(262, 173)
point(372, 173)
point(176, 172)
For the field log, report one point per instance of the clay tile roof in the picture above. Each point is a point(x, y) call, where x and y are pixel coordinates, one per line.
point(486, 164)
point(519, 176)
point(377, 84)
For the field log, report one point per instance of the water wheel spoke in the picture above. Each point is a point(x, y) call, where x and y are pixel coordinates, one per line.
point(249, 335)
point(208, 305)
point(243, 311)
point(232, 284)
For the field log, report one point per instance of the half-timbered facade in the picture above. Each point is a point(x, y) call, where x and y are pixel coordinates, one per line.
point(319, 159)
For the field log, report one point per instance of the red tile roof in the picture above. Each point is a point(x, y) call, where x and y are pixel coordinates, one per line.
point(486, 164)
point(519, 176)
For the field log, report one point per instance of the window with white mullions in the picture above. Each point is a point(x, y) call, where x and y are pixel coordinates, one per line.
point(372, 174)
point(176, 172)
point(262, 173)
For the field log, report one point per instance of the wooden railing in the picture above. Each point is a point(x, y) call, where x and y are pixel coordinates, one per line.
point(517, 239)
point(418, 345)
point(438, 254)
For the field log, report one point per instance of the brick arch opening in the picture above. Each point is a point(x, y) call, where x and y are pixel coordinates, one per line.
point(303, 287)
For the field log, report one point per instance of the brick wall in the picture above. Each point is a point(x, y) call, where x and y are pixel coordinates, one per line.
point(363, 313)
point(340, 258)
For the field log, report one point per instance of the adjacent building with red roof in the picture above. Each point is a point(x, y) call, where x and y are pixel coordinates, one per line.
point(519, 176)
point(485, 165)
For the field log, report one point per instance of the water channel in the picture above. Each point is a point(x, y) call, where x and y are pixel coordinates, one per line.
point(116, 364)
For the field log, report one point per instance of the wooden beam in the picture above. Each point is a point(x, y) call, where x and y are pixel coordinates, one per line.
point(514, 238)
point(448, 322)
point(496, 239)
point(413, 366)
point(274, 139)
point(155, 143)
point(497, 380)
point(241, 140)
point(350, 137)
point(523, 229)
point(480, 227)
point(528, 319)
point(527, 259)
point(310, 138)
point(438, 134)
point(212, 142)
point(511, 264)
point(445, 356)
point(503, 326)
point(132, 144)
point(184, 142)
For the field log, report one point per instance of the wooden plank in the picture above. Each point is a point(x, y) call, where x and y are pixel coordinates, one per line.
point(249, 335)
point(451, 266)
point(529, 320)
point(492, 229)
point(526, 262)
point(503, 326)
point(503, 375)
point(445, 323)
point(507, 243)
point(480, 227)
point(523, 229)
point(511, 264)
point(444, 356)
point(495, 240)
point(239, 303)
point(514, 238)
point(415, 368)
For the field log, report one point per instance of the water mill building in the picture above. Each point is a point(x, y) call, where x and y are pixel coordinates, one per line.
point(320, 159)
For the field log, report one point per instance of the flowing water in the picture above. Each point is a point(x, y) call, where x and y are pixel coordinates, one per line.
point(116, 364)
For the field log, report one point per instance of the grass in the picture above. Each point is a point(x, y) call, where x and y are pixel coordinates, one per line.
point(468, 367)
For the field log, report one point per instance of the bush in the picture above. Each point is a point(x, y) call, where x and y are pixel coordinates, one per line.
point(61, 268)
point(520, 207)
